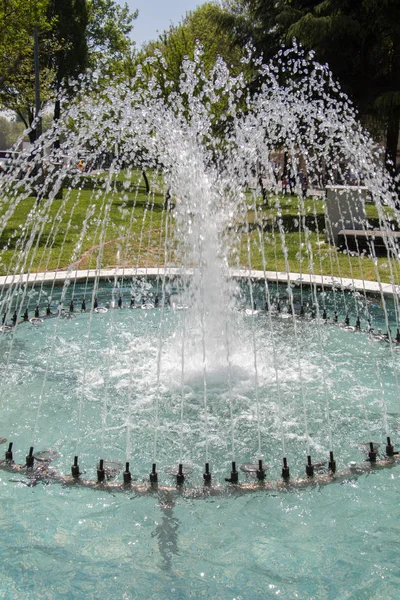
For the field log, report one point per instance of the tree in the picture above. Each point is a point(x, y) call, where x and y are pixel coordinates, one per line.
point(18, 18)
point(108, 35)
point(70, 23)
point(200, 27)
point(359, 40)
point(73, 34)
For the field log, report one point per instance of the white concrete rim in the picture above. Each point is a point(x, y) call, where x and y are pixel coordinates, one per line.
point(307, 279)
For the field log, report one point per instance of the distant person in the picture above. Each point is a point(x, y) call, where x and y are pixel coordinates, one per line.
point(80, 165)
point(303, 184)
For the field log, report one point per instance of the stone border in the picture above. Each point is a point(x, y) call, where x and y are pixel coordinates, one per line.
point(329, 282)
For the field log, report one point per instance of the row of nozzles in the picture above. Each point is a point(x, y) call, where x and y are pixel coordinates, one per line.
point(259, 471)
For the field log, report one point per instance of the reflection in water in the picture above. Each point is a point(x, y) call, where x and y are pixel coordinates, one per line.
point(166, 532)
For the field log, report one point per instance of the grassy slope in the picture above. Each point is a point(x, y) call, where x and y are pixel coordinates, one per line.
point(144, 246)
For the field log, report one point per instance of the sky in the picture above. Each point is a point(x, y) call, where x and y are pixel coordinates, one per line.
point(155, 16)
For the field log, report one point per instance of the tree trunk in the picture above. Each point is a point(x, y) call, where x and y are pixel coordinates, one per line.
point(57, 113)
point(146, 182)
point(392, 138)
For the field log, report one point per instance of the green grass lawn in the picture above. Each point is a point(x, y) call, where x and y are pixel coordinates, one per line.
point(131, 224)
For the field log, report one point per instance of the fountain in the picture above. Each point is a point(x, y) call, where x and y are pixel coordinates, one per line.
point(178, 355)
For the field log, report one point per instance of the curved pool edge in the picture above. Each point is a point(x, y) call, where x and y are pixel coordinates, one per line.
point(329, 282)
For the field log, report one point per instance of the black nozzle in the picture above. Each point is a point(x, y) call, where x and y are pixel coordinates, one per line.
point(37, 314)
point(234, 478)
point(335, 317)
point(324, 315)
point(260, 471)
point(26, 315)
point(9, 454)
point(120, 302)
point(83, 305)
point(75, 468)
point(153, 475)
point(347, 320)
point(398, 336)
point(389, 448)
point(180, 477)
point(358, 323)
point(127, 475)
point(101, 474)
point(132, 302)
point(302, 311)
point(285, 469)
point(207, 475)
point(48, 310)
point(71, 306)
point(14, 317)
point(95, 303)
point(332, 463)
point(371, 453)
point(309, 467)
point(156, 301)
point(29, 458)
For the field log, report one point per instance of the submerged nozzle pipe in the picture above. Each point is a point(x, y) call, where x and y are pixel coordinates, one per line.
point(332, 463)
point(260, 471)
point(207, 475)
point(30, 459)
point(9, 454)
point(234, 478)
point(101, 474)
point(371, 453)
point(153, 475)
point(180, 477)
point(390, 448)
point(309, 467)
point(285, 469)
point(75, 468)
point(127, 475)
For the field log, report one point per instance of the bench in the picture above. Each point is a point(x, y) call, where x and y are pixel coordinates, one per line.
point(364, 239)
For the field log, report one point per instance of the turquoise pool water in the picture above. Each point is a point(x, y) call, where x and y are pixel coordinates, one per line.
point(90, 386)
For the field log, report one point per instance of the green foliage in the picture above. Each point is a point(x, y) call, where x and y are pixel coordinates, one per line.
point(202, 26)
point(360, 40)
point(109, 26)
point(73, 34)
point(9, 132)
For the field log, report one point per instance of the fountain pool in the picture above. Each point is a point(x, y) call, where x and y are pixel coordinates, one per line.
point(70, 541)
point(203, 368)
